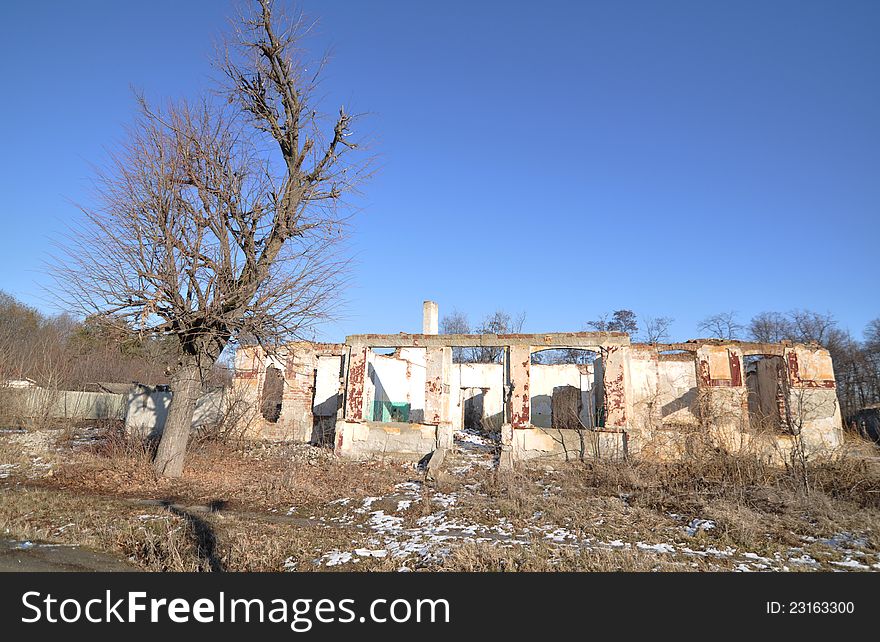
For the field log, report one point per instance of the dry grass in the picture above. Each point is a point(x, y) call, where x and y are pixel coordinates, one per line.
point(268, 507)
point(239, 474)
point(755, 507)
point(541, 557)
point(157, 538)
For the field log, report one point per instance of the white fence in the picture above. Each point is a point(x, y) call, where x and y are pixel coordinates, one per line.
point(147, 410)
point(144, 409)
point(42, 403)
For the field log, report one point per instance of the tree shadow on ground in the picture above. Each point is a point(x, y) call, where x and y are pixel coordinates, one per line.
point(206, 542)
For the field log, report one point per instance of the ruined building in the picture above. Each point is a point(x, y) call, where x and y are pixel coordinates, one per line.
point(404, 396)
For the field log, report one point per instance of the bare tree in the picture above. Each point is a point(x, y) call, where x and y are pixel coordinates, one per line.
point(770, 327)
point(618, 321)
point(656, 329)
point(721, 326)
point(805, 326)
point(499, 322)
point(872, 335)
point(457, 323)
point(600, 323)
point(808, 326)
point(220, 223)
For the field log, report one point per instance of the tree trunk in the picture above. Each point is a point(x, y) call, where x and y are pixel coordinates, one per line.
point(186, 385)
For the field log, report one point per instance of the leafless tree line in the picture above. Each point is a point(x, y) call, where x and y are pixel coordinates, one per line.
point(499, 322)
point(59, 352)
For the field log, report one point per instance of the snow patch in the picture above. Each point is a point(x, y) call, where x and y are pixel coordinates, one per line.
point(698, 525)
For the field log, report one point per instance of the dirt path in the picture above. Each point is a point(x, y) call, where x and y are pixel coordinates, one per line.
point(38, 556)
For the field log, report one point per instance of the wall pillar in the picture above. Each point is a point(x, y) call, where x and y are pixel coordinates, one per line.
point(520, 402)
point(438, 369)
point(615, 383)
point(354, 392)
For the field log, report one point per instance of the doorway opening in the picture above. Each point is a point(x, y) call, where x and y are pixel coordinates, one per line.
point(271, 399)
point(767, 392)
point(566, 389)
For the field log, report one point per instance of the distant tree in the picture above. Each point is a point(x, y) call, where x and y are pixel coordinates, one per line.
point(770, 327)
point(808, 326)
point(871, 352)
point(20, 328)
point(600, 323)
point(872, 336)
point(721, 326)
point(61, 352)
point(656, 329)
point(624, 321)
point(457, 323)
point(618, 321)
point(499, 322)
point(804, 326)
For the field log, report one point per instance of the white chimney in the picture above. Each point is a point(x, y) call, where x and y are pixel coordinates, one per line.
point(430, 318)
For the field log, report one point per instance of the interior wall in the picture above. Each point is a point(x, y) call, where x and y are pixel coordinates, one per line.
point(642, 389)
point(662, 389)
point(470, 380)
point(545, 379)
point(677, 391)
point(394, 388)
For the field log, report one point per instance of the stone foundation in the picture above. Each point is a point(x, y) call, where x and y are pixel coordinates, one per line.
point(399, 441)
point(551, 444)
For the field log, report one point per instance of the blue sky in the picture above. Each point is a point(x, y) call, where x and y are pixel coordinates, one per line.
point(558, 158)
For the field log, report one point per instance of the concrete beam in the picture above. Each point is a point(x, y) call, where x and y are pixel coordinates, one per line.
point(746, 347)
point(536, 341)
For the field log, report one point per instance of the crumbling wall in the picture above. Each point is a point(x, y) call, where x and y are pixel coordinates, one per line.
point(618, 404)
point(677, 390)
point(658, 401)
point(412, 392)
point(550, 444)
point(642, 388)
point(723, 396)
point(813, 407)
point(401, 441)
point(299, 364)
point(663, 397)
